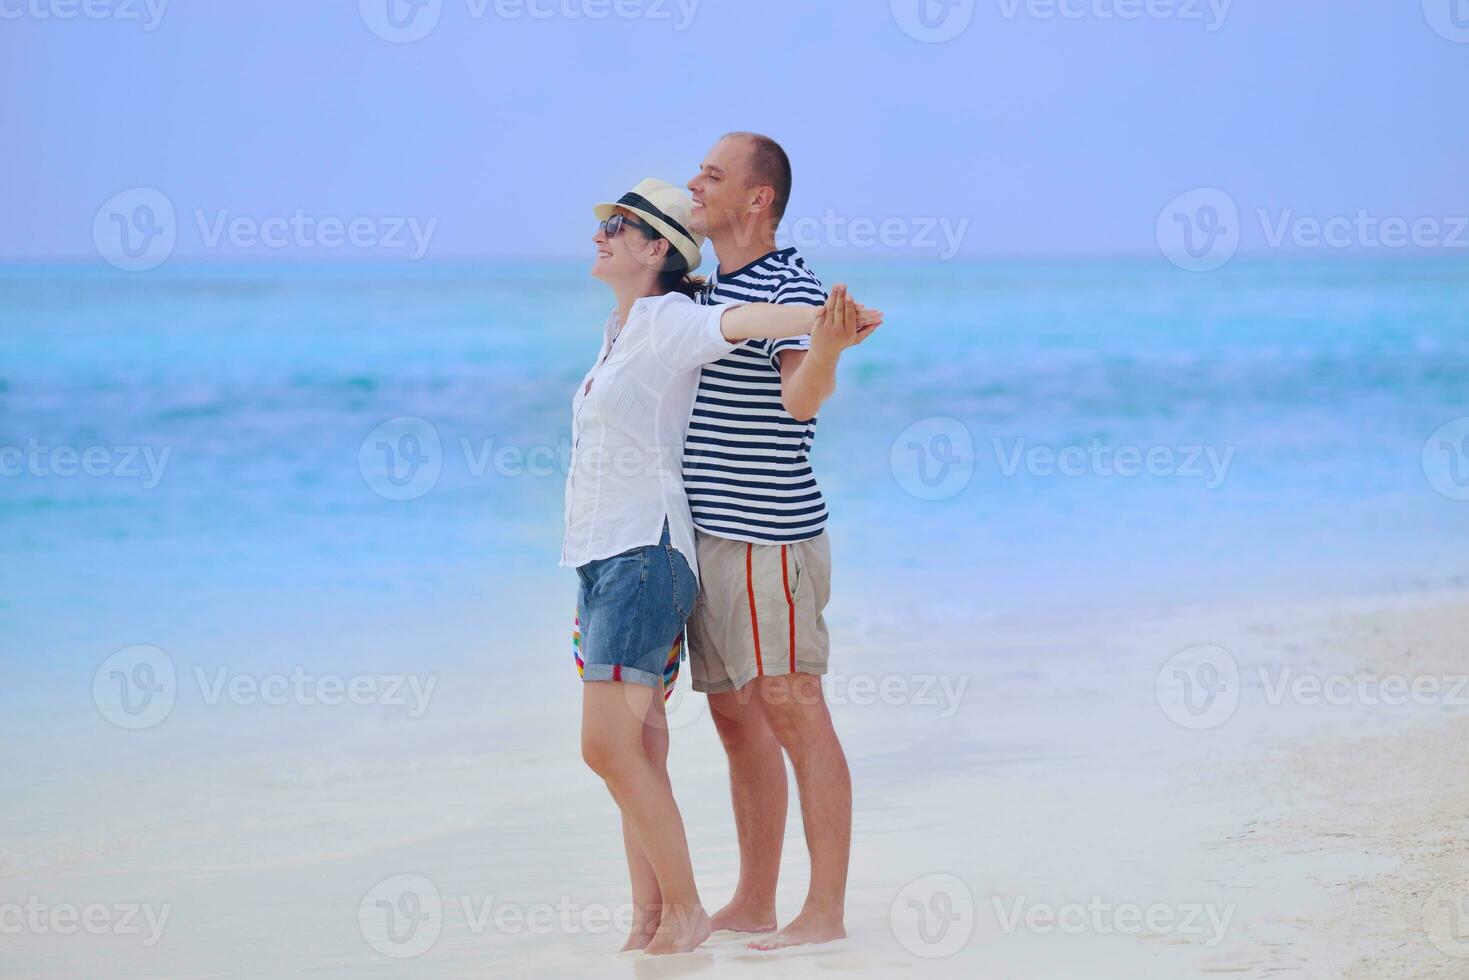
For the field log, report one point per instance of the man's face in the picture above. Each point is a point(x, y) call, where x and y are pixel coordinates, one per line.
point(722, 188)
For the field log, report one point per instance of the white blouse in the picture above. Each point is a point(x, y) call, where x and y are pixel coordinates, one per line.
point(628, 421)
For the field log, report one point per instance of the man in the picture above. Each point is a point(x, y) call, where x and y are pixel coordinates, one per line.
point(758, 642)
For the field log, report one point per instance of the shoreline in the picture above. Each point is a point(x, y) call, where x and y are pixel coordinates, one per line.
point(1048, 778)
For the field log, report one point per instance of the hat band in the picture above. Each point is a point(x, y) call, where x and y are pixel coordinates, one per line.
point(631, 200)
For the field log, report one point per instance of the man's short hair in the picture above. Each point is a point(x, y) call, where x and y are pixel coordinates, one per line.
point(769, 166)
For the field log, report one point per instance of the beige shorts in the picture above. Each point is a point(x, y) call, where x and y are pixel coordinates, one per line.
point(759, 611)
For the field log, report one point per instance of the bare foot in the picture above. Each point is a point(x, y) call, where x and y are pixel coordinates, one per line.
point(806, 929)
point(683, 928)
point(644, 927)
point(740, 917)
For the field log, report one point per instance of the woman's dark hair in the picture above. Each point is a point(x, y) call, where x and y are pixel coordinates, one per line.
point(674, 276)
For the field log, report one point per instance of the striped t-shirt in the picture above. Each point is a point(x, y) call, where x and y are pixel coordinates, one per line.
point(747, 462)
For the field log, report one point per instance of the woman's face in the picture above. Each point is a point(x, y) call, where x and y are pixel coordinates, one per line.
point(629, 254)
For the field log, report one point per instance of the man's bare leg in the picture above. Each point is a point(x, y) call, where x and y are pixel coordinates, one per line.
point(647, 900)
point(613, 716)
point(796, 710)
point(757, 787)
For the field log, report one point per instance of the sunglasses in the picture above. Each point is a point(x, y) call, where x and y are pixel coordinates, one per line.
point(613, 226)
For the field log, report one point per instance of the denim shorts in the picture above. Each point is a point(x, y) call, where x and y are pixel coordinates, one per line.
point(631, 609)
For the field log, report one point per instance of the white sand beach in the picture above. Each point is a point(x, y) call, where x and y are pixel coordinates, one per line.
point(1027, 805)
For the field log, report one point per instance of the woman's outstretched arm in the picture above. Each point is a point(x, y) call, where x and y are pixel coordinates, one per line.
point(769, 321)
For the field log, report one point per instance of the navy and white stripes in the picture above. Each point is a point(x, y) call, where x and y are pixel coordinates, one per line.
point(747, 466)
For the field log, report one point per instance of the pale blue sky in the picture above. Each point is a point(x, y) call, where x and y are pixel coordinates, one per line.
point(1035, 134)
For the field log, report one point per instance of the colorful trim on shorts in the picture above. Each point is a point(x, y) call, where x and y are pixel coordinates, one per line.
point(670, 667)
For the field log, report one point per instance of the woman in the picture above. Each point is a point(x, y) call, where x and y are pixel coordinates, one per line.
point(628, 530)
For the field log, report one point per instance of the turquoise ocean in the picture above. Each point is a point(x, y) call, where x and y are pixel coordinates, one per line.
point(215, 459)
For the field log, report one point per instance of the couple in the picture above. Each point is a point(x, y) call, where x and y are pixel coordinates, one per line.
point(691, 502)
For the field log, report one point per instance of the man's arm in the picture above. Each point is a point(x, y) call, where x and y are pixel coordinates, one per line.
point(808, 377)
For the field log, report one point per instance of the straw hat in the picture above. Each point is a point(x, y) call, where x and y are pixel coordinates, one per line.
point(666, 209)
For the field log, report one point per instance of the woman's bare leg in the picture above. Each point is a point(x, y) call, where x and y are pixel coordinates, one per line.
point(646, 899)
point(613, 716)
